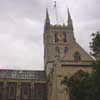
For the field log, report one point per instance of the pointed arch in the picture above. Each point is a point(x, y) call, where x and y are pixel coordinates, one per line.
point(64, 33)
point(66, 50)
point(56, 39)
point(77, 57)
point(57, 51)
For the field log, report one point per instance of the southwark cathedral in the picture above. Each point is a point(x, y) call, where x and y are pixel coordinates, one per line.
point(63, 56)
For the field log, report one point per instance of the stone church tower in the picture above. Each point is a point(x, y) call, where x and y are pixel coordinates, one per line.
point(63, 56)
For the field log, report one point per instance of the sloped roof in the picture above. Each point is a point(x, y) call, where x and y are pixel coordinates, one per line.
point(22, 75)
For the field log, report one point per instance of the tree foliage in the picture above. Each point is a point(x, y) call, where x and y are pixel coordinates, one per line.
point(79, 86)
point(95, 44)
point(83, 85)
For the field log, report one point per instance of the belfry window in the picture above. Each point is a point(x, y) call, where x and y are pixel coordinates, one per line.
point(56, 39)
point(77, 57)
point(64, 33)
point(57, 51)
point(65, 50)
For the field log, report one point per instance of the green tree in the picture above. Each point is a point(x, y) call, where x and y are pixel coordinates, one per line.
point(95, 47)
point(95, 44)
point(80, 86)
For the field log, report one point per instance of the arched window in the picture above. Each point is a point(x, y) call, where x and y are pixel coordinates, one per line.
point(56, 39)
point(65, 50)
point(77, 57)
point(11, 90)
point(57, 51)
point(64, 33)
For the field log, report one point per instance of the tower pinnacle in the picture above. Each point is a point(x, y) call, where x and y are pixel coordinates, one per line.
point(70, 24)
point(47, 17)
point(47, 21)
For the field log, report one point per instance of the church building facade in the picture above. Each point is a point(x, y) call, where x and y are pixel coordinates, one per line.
point(63, 56)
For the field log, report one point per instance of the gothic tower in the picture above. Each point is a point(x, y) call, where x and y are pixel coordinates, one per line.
point(62, 56)
point(59, 43)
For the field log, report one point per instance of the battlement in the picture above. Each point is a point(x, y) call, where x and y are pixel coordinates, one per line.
point(58, 26)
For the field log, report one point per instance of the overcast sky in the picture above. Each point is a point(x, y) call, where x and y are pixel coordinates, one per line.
point(21, 28)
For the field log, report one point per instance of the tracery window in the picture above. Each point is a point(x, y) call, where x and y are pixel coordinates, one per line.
point(11, 90)
point(64, 33)
point(56, 39)
point(25, 91)
point(40, 91)
point(65, 50)
point(1, 87)
point(77, 57)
